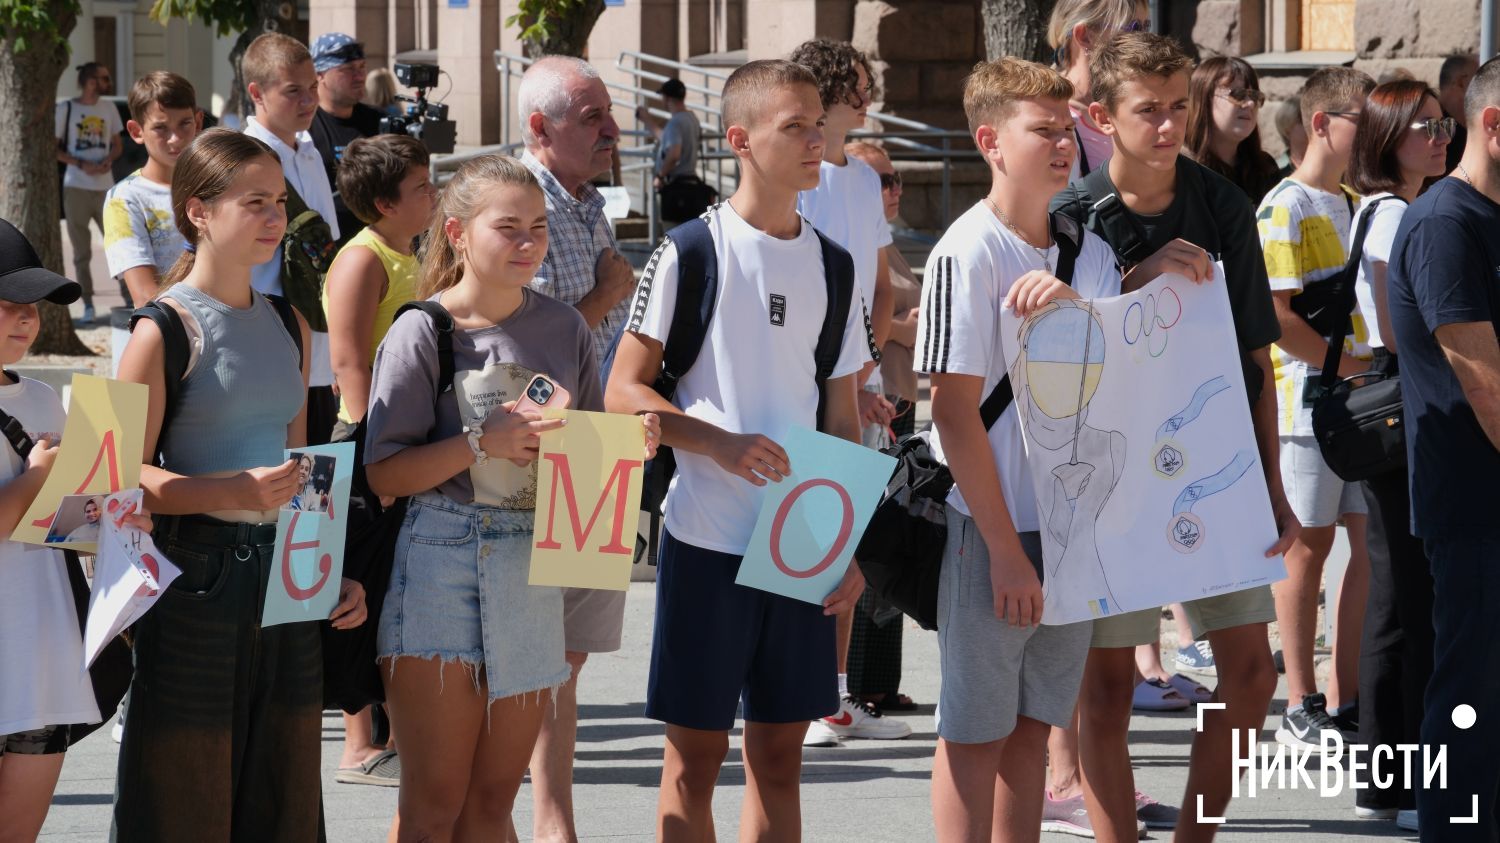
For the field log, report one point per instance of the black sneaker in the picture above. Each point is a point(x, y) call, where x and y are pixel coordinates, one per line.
point(1301, 729)
point(1346, 719)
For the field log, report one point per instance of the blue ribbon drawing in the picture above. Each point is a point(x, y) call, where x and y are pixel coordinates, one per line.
point(1194, 407)
point(1213, 484)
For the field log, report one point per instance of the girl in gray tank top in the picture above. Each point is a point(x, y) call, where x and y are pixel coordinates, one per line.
point(208, 676)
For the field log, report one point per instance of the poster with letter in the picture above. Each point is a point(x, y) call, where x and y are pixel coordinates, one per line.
point(129, 575)
point(1149, 484)
point(308, 563)
point(588, 500)
point(811, 521)
point(100, 454)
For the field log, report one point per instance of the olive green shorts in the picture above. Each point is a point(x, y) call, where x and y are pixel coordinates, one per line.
point(1204, 615)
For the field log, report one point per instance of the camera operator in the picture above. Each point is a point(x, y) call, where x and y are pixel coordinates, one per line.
point(341, 118)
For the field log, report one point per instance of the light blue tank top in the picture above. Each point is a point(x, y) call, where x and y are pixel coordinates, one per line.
point(246, 387)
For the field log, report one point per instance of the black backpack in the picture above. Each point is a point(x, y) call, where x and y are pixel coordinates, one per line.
point(901, 552)
point(697, 295)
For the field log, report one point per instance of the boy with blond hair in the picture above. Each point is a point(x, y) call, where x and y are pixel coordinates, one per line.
point(718, 643)
point(1150, 200)
point(1006, 678)
point(1304, 231)
point(141, 242)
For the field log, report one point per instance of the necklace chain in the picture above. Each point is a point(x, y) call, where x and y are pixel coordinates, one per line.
point(1040, 252)
point(1466, 175)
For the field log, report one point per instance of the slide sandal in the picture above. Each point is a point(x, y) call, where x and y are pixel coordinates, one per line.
point(1190, 689)
point(1156, 695)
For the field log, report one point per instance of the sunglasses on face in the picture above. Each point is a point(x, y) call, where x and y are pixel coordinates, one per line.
point(1350, 115)
point(1433, 125)
point(1243, 96)
point(890, 181)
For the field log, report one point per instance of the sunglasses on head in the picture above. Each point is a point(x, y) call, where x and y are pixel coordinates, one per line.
point(1243, 96)
point(890, 181)
point(1433, 125)
point(347, 53)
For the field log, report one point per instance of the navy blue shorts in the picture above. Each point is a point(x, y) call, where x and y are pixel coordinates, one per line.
point(718, 643)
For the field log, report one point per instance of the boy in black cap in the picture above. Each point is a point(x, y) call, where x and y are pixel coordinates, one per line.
point(683, 194)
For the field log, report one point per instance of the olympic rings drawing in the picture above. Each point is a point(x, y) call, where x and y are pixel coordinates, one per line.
point(1138, 326)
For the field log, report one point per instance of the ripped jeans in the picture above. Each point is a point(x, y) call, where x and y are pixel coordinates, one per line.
point(459, 593)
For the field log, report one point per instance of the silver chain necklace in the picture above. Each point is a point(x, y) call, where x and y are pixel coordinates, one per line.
point(1041, 253)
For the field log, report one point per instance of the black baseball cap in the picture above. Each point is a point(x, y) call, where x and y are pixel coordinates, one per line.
point(673, 88)
point(23, 279)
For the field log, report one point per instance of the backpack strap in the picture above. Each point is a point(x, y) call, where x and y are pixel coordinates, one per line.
point(1124, 232)
point(14, 432)
point(1068, 235)
point(838, 276)
point(697, 293)
point(175, 355)
point(1346, 280)
point(442, 323)
point(288, 316)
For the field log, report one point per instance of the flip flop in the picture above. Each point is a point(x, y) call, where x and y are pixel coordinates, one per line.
point(901, 703)
point(382, 770)
point(1156, 695)
point(1191, 690)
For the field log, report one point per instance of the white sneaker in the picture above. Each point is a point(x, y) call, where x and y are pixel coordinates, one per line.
point(1406, 820)
point(820, 734)
point(855, 720)
point(117, 732)
point(1374, 813)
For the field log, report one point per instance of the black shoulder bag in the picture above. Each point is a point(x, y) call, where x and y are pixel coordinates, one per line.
point(1360, 431)
point(901, 552)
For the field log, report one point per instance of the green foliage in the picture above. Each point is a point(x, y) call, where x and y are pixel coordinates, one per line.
point(28, 20)
point(537, 18)
point(225, 16)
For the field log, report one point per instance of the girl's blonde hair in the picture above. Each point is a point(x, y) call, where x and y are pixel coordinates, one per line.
point(1098, 16)
point(462, 199)
point(205, 172)
point(380, 88)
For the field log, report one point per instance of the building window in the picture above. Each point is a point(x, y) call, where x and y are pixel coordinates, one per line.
point(1328, 25)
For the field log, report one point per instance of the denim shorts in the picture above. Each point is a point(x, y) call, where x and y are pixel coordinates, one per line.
point(459, 593)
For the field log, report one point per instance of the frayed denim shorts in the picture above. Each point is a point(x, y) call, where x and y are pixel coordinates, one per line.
point(459, 593)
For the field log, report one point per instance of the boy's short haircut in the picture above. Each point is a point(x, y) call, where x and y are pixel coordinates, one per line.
point(164, 88)
point(992, 90)
point(833, 63)
point(1131, 56)
point(1484, 91)
point(745, 90)
point(87, 70)
point(373, 168)
point(269, 55)
point(1333, 89)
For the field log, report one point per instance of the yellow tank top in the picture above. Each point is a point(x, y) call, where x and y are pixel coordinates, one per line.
point(401, 287)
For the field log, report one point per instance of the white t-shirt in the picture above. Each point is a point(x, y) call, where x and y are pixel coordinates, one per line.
point(1380, 241)
point(139, 229)
point(303, 168)
point(42, 678)
point(755, 373)
point(89, 131)
point(847, 207)
point(968, 274)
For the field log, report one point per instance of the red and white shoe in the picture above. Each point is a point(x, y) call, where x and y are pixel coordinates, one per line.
point(859, 720)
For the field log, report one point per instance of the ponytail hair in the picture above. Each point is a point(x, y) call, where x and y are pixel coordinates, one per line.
point(205, 172)
point(462, 199)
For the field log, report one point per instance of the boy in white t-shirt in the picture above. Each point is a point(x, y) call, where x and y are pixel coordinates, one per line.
point(1005, 677)
point(141, 241)
point(848, 207)
point(717, 643)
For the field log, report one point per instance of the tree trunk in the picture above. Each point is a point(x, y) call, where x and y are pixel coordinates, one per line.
point(567, 31)
point(1017, 28)
point(28, 157)
point(274, 16)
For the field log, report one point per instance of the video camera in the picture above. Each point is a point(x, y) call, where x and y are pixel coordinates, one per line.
point(426, 121)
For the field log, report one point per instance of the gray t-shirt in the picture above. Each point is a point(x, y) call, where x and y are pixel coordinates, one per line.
point(543, 336)
point(683, 131)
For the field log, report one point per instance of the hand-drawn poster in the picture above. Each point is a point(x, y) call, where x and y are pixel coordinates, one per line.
point(811, 522)
point(129, 575)
point(307, 566)
point(100, 454)
point(1149, 484)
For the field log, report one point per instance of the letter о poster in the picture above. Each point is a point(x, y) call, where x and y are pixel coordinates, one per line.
point(588, 501)
point(308, 563)
point(812, 520)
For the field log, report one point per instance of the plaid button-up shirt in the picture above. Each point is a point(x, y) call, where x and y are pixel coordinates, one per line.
point(577, 232)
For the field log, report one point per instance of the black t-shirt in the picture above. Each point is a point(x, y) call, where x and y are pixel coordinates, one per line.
point(1208, 211)
point(330, 135)
point(1445, 270)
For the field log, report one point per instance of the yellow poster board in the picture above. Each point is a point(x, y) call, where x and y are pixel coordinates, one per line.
point(588, 499)
point(103, 439)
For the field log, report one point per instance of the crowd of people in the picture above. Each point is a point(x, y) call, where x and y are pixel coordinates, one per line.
point(276, 264)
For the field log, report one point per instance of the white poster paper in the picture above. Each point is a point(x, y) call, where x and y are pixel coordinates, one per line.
point(129, 575)
point(1149, 484)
